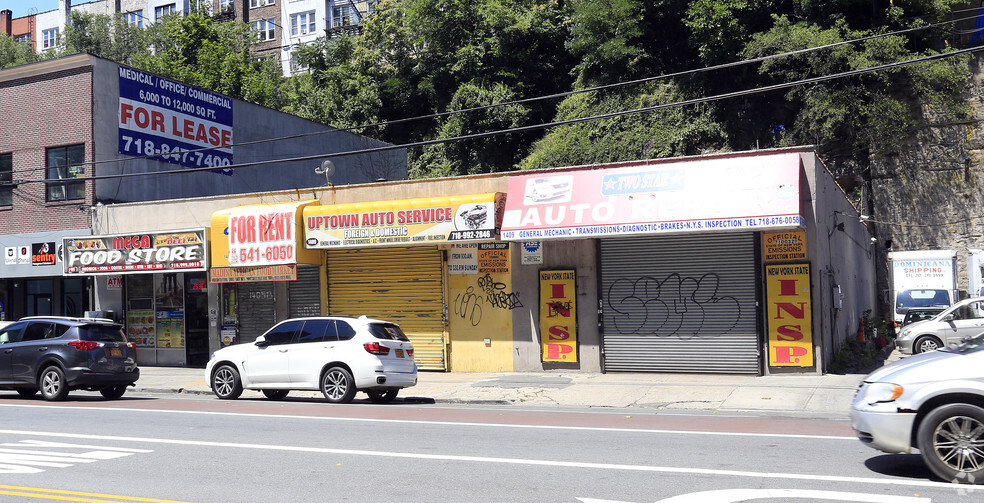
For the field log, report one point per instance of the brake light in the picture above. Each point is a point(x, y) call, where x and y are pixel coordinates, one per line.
point(410, 352)
point(376, 349)
point(131, 345)
point(84, 345)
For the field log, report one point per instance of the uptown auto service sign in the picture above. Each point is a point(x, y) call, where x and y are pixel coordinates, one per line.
point(170, 121)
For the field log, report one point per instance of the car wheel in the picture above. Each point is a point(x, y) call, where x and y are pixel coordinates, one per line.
point(112, 392)
point(951, 440)
point(27, 392)
point(382, 395)
point(226, 384)
point(53, 386)
point(925, 344)
point(338, 386)
point(275, 394)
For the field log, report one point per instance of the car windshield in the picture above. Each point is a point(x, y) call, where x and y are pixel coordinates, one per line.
point(387, 331)
point(909, 299)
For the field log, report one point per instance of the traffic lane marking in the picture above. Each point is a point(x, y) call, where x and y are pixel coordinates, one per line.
point(737, 495)
point(63, 495)
point(729, 422)
point(507, 461)
point(848, 433)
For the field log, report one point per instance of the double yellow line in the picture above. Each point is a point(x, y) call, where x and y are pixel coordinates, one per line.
point(57, 494)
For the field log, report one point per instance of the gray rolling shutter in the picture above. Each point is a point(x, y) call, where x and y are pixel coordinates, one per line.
point(680, 304)
point(256, 309)
point(304, 294)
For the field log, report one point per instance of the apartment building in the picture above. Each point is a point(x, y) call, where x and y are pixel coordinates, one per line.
point(281, 26)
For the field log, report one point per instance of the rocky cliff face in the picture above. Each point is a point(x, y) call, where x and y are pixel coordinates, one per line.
point(928, 193)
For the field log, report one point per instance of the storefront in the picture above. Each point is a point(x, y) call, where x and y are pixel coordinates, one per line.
point(678, 252)
point(386, 260)
point(264, 273)
point(158, 278)
point(31, 279)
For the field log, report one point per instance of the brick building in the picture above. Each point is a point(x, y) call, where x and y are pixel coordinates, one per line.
point(280, 25)
point(80, 131)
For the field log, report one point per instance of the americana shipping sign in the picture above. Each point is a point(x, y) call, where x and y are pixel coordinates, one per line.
point(182, 250)
point(436, 220)
point(169, 121)
point(725, 194)
point(789, 315)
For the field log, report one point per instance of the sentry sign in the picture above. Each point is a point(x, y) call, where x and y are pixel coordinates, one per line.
point(170, 121)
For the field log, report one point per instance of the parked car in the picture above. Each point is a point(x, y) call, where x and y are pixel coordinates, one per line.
point(955, 323)
point(55, 354)
point(933, 402)
point(921, 314)
point(338, 356)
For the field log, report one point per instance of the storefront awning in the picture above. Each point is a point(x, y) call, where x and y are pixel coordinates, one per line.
point(723, 194)
point(260, 235)
point(405, 222)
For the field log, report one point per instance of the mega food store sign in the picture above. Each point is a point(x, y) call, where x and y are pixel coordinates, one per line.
point(724, 194)
point(182, 250)
point(404, 222)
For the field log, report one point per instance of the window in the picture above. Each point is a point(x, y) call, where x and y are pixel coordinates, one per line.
point(163, 10)
point(302, 24)
point(343, 15)
point(314, 331)
point(259, 3)
point(282, 334)
point(49, 38)
point(345, 331)
point(12, 333)
point(226, 6)
point(135, 18)
point(264, 29)
point(296, 65)
point(65, 163)
point(6, 179)
point(24, 37)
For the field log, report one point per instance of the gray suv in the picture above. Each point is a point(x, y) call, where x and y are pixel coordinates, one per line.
point(54, 355)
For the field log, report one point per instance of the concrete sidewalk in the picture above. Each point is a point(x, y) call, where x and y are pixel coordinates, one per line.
point(828, 393)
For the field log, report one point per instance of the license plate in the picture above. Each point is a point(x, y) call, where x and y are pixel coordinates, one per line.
point(399, 353)
point(115, 352)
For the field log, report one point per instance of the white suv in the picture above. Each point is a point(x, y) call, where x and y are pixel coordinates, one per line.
point(336, 355)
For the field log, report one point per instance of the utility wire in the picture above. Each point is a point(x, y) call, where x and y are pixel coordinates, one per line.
point(523, 129)
point(560, 95)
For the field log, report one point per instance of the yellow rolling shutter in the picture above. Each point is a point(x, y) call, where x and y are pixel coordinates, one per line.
point(402, 285)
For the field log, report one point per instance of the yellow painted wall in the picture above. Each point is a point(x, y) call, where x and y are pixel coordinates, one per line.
point(479, 308)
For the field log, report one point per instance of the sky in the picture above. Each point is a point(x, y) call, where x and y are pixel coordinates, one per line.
point(21, 7)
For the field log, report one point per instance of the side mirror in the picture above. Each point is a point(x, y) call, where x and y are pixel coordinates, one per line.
point(261, 342)
point(948, 317)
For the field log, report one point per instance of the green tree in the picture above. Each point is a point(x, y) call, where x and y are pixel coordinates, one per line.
point(15, 53)
point(872, 111)
point(668, 132)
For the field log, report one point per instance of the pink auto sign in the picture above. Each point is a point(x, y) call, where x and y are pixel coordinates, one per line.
point(728, 193)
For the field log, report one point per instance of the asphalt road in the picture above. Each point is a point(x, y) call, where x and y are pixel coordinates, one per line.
point(201, 449)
